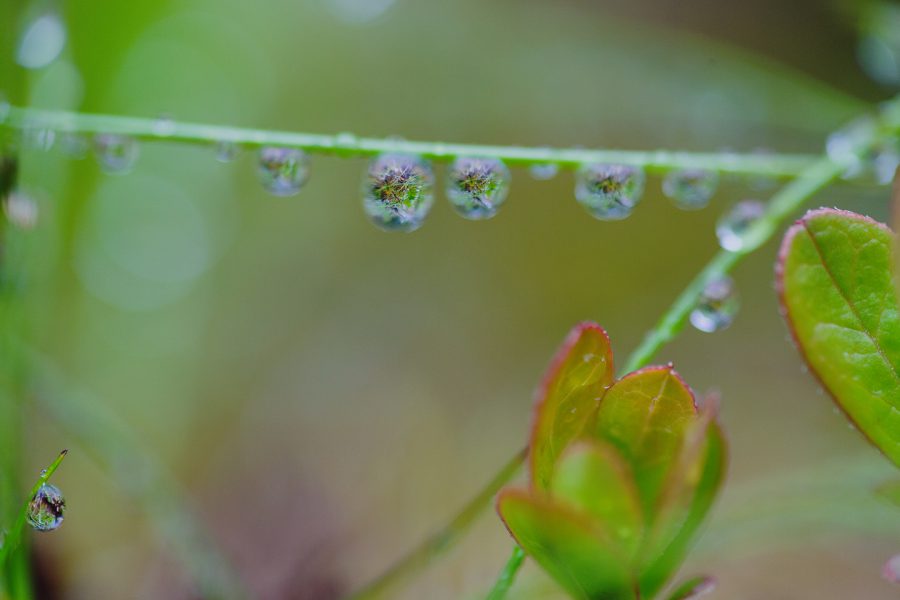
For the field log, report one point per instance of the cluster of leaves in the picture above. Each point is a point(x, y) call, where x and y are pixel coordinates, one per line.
point(622, 473)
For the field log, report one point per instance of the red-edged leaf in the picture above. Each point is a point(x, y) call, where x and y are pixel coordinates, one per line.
point(568, 395)
point(645, 415)
point(568, 546)
point(693, 588)
point(594, 478)
point(834, 279)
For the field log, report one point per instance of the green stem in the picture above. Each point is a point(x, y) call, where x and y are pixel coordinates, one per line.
point(775, 165)
point(507, 575)
point(14, 537)
point(426, 552)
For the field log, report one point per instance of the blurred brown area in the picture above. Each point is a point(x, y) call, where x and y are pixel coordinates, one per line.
point(328, 393)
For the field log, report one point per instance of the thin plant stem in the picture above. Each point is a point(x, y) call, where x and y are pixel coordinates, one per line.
point(507, 575)
point(146, 482)
point(14, 537)
point(347, 145)
point(426, 552)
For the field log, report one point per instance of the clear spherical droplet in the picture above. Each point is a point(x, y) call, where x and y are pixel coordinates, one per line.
point(609, 192)
point(716, 307)
point(116, 153)
point(283, 171)
point(477, 187)
point(891, 570)
point(732, 227)
point(690, 189)
point(36, 137)
point(74, 145)
point(397, 191)
point(227, 151)
point(46, 509)
point(21, 209)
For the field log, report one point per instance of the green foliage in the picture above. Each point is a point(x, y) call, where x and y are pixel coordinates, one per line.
point(834, 279)
point(622, 474)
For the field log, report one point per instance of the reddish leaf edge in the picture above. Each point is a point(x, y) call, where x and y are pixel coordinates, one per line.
point(798, 227)
point(552, 372)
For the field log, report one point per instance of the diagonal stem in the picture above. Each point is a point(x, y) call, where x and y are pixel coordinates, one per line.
point(771, 165)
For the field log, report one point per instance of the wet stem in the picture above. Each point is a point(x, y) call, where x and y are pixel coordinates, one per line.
point(808, 175)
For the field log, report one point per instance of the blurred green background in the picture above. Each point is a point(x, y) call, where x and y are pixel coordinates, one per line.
point(328, 393)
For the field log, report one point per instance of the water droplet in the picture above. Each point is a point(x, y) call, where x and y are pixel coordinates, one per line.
point(885, 163)
point(164, 125)
point(845, 145)
point(891, 570)
point(115, 153)
point(36, 137)
point(42, 42)
point(733, 225)
point(74, 145)
point(690, 189)
point(716, 307)
point(46, 509)
point(477, 187)
point(283, 171)
point(609, 192)
point(397, 192)
point(227, 151)
point(543, 171)
point(21, 210)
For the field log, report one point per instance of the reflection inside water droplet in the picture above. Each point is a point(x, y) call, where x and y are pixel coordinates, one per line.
point(716, 307)
point(46, 509)
point(690, 189)
point(609, 192)
point(477, 187)
point(283, 171)
point(397, 191)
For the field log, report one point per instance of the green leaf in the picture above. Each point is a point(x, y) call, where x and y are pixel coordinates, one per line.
point(686, 497)
point(569, 547)
point(645, 415)
point(568, 395)
point(594, 478)
point(834, 279)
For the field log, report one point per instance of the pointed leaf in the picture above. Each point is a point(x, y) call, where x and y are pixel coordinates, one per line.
point(645, 415)
point(594, 478)
point(568, 547)
point(568, 395)
point(688, 494)
point(834, 279)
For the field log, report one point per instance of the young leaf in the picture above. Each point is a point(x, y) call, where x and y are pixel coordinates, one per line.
point(645, 415)
point(594, 478)
point(686, 497)
point(568, 546)
point(693, 588)
point(581, 370)
point(834, 279)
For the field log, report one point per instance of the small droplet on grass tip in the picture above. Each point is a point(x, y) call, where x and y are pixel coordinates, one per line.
point(609, 192)
point(47, 508)
point(477, 187)
point(226, 151)
point(397, 191)
point(717, 306)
